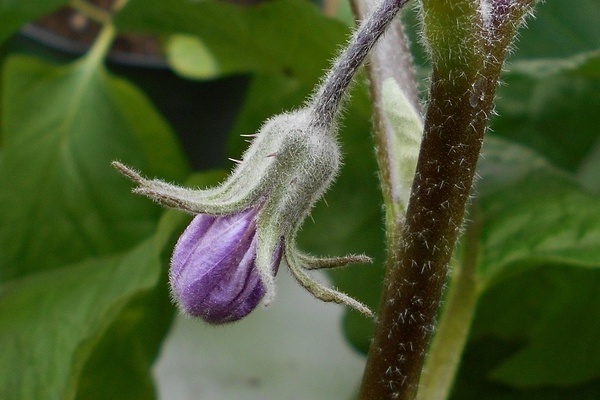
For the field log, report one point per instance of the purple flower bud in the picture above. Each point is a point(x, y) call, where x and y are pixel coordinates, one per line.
point(213, 273)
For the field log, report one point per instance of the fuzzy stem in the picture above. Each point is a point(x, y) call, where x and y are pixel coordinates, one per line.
point(446, 348)
point(329, 95)
point(414, 280)
point(391, 58)
point(466, 67)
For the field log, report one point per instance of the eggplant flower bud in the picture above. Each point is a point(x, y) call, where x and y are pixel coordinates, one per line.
point(213, 274)
point(226, 260)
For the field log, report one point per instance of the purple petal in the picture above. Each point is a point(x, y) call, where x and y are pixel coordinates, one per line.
point(213, 274)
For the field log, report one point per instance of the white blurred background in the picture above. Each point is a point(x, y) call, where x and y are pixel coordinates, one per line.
point(292, 350)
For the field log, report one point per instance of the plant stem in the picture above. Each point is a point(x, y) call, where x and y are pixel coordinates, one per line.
point(102, 44)
point(420, 249)
point(451, 335)
point(91, 11)
point(467, 58)
point(391, 58)
point(330, 93)
point(417, 268)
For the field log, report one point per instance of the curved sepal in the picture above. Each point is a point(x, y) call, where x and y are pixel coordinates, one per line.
point(318, 290)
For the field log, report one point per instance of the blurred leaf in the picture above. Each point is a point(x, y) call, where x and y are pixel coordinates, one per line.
point(119, 365)
point(115, 313)
point(483, 355)
point(276, 36)
point(536, 214)
point(61, 200)
point(552, 94)
point(14, 14)
point(51, 321)
point(189, 57)
point(537, 301)
point(538, 270)
point(556, 115)
point(555, 319)
point(584, 65)
point(560, 30)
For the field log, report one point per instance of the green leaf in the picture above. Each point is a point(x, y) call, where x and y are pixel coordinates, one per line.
point(560, 30)
point(555, 320)
point(14, 14)
point(285, 35)
point(91, 330)
point(540, 230)
point(189, 57)
point(531, 214)
point(538, 271)
point(552, 109)
point(61, 200)
point(119, 364)
point(584, 65)
point(482, 356)
point(51, 321)
point(552, 90)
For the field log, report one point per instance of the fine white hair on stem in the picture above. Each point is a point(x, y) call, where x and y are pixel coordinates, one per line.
point(328, 97)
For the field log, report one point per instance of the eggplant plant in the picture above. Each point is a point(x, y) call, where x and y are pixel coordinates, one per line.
point(445, 150)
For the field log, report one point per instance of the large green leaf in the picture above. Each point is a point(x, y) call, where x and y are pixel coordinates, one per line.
point(51, 321)
point(532, 213)
point(61, 200)
point(540, 231)
point(578, 65)
point(120, 362)
point(538, 273)
point(552, 105)
point(550, 102)
point(13, 13)
point(553, 320)
point(560, 30)
point(289, 36)
point(91, 330)
point(482, 356)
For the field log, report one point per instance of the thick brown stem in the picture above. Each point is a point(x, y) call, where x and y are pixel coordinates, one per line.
point(463, 84)
point(414, 282)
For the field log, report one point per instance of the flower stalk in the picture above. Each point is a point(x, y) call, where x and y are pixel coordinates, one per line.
point(327, 99)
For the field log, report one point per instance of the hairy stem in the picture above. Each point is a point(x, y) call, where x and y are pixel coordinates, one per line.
point(467, 56)
point(414, 280)
point(329, 95)
point(451, 335)
point(391, 58)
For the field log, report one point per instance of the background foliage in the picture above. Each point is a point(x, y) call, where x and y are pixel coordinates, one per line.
point(82, 262)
